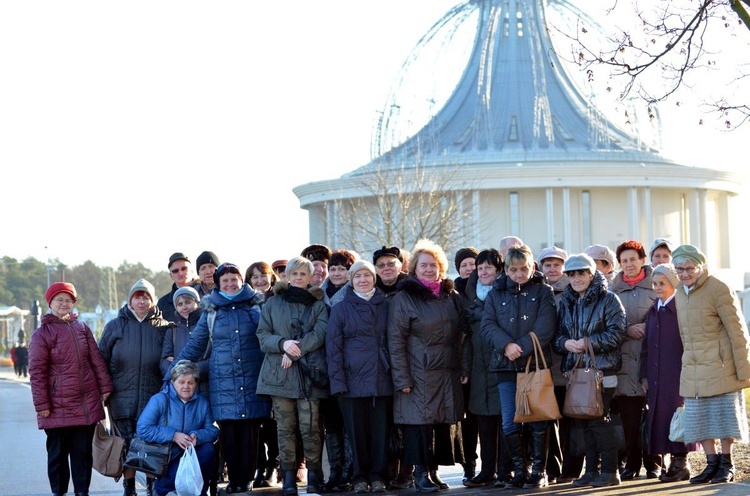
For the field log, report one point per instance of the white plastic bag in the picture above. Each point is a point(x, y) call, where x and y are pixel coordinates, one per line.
point(189, 480)
point(677, 426)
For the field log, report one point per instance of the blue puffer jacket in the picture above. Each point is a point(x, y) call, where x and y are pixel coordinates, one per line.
point(357, 346)
point(234, 364)
point(193, 417)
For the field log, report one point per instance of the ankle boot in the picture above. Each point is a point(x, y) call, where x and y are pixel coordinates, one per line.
point(679, 470)
point(470, 470)
point(712, 466)
point(518, 456)
point(129, 485)
point(258, 479)
point(150, 486)
point(725, 473)
point(315, 482)
point(540, 447)
point(80, 494)
point(270, 478)
point(422, 481)
point(289, 487)
point(435, 478)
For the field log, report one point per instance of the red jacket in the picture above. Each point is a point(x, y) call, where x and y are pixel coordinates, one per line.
point(67, 373)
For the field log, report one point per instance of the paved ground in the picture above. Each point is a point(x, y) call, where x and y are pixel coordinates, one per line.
point(23, 468)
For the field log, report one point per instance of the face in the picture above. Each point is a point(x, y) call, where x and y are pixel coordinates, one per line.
point(185, 305)
point(281, 273)
point(300, 278)
point(388, 269)
point(206, 273)
point(688, 272)
point(428, 268)
point(663, 289)
point(363, 281)
point(519, 272)
point(259, 281)
point(661, 255)
point(181, 273)
point(230, 283)
point(320, 272)
point(580, 280)
point(631, 263)
point(62, 304)
point(338, 275)
point(141, 303)
point(185, 386)
point(487, 273)
point(467, 267)
point(604, 266)
point(552, 268)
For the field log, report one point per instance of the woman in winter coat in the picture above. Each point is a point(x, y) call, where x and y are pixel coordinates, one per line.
point(359, 370)
point(518, 304)
point(661, 362)
point(715, 363)
point(425, 333)
point(588, 310)
point(69, 382)
point(230, 322)
point(131, 347)
point(178, 414)
point(293, 324)
point(633, 286)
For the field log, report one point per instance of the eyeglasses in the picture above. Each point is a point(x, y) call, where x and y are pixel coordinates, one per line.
point(383, 265)
point(63, 301)
point(179, 269)
point(574, 273)
point(685, 270)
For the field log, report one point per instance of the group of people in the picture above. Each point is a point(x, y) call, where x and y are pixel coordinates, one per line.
point(396, 369)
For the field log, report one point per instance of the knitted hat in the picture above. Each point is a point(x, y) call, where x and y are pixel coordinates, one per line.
point(668, 271)
point(580, 262)
point(464, 253)
point(601, 252)
point(342, 257)
point(317, 253)
point(145, 286)
point(206, 257)
point(553, 252)
point(186, 291)
point(690, 252)
point(60, 287)
point(660, 242)
point(223, 269)
point(177, 256)
point(359, 265)
point(393, 251)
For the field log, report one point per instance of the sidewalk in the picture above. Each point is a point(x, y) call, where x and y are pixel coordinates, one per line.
point(8, 374)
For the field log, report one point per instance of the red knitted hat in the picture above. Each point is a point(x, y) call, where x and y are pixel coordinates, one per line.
point(60, 287)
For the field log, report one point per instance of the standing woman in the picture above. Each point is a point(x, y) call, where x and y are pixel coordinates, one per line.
point(295, 399)
point(715, 363)
point(518, 304)
point(131, 345)
point(425, 329)
point(69, 382)
point(261, 278)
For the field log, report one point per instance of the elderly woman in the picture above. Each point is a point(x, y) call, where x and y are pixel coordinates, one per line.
point(660, 252)
point(520, 303)
point(183, 417)
point(229, 322)
point(293, 324)
point(715, 363)
point(425, 332)
point(69, 381)
point(359, 368)
point(131, 345)
point(588, 310)
point(661, 361)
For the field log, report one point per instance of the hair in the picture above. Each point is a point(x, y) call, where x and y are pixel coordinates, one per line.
point(519, 254)
point(185, 367)
point(430, 248)
point(263, 268)
point(464, 253)
point(342, 257)
point(631, 245)
point(297, 263)
point(492, 257)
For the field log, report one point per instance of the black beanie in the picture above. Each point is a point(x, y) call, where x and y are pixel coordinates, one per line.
point(465, 253)
point(206, 257)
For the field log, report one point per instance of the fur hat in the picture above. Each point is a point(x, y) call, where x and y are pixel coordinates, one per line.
point(668, 271)
point(317, 253)
point(464, 253)
point(60, 287)
point(186, 291)
point(660, 242)
point(553, 252)
point(580, 262)
point(393, 251)
point(177, 256)
point(359, 265)
point(690, 252)
point(223, 269)
point(206, 257)
point(601, 252)
point(145, 286)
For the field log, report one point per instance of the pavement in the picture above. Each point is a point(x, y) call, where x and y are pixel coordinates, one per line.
point(18, 425)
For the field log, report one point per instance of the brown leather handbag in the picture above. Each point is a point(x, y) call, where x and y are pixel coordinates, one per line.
point(583, 396)
point(107, 450)
point(535, 390)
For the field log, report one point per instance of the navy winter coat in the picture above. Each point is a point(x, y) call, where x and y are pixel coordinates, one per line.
point(177, 338)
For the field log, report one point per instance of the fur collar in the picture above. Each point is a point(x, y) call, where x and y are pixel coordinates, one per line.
point(412, 286)
point(296, 295)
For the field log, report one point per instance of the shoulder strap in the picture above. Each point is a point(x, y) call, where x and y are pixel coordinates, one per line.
point(305, 319)
point(210, 319)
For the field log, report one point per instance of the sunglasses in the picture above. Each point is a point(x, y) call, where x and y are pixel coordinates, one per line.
point(178, 270)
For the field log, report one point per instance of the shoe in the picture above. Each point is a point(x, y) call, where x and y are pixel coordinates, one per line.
point(518, 456)
point(628, 474)
point(470, 471)
point(585, 479)
point(422, 482)
point(539, 450)
point(725, 473)
point(403, 482)
point(270, 477)
point(361, 487)
point(377, 486)
point(653, 474)
point(501, 479)
point(315, 482)
point(258, 479)
point(679, 470)
point(712, 466)
point(483, 479)
point(435, 478)
point(536, 480)
point(606, 480)
point(150, 486)
point(289, 487)
point(564, 479)
point(129, 486)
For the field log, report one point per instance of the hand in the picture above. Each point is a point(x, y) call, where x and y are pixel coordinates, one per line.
point(44, 413)
point(513, 351)
point(406, 390)
point(286, 362)
point(291, 348)
point(182, 440)
point(644, 386)
point(575, 345)
point(105, 397)
point(194, 439)
point(636, 331)
point(170, 359)
point(464, 380)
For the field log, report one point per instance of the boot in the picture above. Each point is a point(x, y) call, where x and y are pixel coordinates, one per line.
point(405, 477)
point(679, 470)
point(315, 482)
point(129, 485)
point(150, 486)
point(422, 482)
point(270, 478)
point(540, 447)
point(712, 466)
point(470, 470)
point(483, 479)
point(435, 478)
point(80, 494)
point(520, 470)
point(334, 479)
point(258, 479)
point(289, 487)
point(725, 473)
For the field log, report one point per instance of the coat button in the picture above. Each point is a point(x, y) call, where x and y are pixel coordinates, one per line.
point(512, 319)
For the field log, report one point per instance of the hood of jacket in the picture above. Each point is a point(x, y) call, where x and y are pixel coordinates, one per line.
point(246, 296)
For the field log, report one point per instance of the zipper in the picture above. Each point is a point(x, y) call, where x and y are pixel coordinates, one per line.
point(80, 374)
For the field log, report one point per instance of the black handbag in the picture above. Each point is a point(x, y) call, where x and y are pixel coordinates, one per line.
point(149, 458)
point(313, 365)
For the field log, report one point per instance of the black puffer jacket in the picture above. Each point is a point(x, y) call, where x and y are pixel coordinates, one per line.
point(132, 352)
point(598, 315)
point(511, 312)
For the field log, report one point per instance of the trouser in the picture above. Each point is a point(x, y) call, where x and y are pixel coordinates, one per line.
point(291, 414)
point(206, 458)
point(338, 444)
point(268, 446)
point(571, 464)
point(239, 444)
point(599, 437)
point(488, 428)
point(469, 430)
point(368, 422)
point(630, 409)
point(74, 443)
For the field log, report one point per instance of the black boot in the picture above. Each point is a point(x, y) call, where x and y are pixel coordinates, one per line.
point(422, 481)
point(315, 482)
point(258, 479)
point(725, 473)
point(150, 486)
point(679, 470)
point(270, 478)
point(518, 456)
point(80, 494)
point(540, 447)
point(470, 470)
point(712, 466)
point(129, 485)
point(435, 478)
point(334, 479)
point(290, 483)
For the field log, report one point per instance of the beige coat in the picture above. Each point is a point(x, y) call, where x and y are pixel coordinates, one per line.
point(714, 335)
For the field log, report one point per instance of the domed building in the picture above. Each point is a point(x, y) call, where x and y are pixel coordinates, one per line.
point(517, 149)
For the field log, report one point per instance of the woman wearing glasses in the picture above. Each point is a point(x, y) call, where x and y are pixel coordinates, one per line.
point(69, 381)
point(715, 363)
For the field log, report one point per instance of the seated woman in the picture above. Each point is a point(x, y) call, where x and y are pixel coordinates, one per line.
point(188, 421)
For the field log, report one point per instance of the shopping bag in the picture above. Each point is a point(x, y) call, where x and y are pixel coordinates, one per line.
point(535, 391)
point(189, 480)
point(677, 426)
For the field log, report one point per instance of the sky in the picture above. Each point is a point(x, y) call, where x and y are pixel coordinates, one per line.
point(132, 130)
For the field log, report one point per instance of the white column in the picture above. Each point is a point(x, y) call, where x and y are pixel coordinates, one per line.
point(633, 213)
point(725, 216)
point(647, 214)
point(566, 221)
point(695, 219)
point(476, 216)
point(702, 208)
point(550, 217)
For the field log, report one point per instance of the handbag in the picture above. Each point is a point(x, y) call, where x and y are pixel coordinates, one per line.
point(583, 394)
point(535, 391)
point(677, 426)
point(314, 364)
point(107, 450)
point(189, 480)
point(150, 458)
